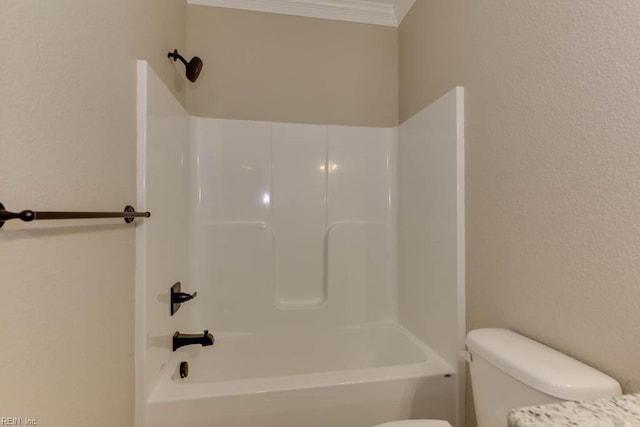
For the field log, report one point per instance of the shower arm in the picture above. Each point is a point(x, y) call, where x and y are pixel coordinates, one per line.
point(175, 56)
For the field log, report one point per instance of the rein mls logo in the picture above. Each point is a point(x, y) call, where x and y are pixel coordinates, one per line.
point(18, 421)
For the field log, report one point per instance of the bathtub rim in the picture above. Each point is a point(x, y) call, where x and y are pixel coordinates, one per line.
point(168, 389)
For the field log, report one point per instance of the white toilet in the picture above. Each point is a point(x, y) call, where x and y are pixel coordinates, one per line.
point(510, 371)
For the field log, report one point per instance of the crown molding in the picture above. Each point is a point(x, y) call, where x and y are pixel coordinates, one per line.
point(341, 10)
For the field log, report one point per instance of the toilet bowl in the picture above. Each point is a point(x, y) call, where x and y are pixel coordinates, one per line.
point(416, 423)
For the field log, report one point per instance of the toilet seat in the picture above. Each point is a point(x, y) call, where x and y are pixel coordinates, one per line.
point(416, 423)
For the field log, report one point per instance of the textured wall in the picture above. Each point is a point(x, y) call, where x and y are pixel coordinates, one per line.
point(67, 138)
point(160, 28)
point(431, 53)
point(553, 168)
point(270, 67)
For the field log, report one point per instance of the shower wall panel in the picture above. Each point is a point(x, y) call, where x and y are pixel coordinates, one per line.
point(431, 228)
point(291, 225)
point(161, 241)
point(359, 178)
point(289, 230)
point(299, 217)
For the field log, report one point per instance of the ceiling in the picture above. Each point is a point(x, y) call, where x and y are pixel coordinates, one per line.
point(378, 12)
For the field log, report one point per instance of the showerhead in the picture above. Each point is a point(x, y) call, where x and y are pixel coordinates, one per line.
point(193, 67)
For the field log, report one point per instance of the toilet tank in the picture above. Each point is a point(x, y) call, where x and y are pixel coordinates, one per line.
point(510, 371)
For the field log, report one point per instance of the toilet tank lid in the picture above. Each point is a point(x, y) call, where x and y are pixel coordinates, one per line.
point(540, 367)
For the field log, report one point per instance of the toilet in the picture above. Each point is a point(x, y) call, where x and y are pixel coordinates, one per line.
point(510, 371)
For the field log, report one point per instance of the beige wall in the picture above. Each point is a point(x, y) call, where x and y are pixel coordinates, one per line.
point(160, 28)
point(553, 102)
point(553, 165)
point(261, 66)
point(431, 53)
point(67, 141)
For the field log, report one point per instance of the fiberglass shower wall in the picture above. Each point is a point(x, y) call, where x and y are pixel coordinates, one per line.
point(292, 225)
point(161, 242)
point(431, 232)
point(282, 226)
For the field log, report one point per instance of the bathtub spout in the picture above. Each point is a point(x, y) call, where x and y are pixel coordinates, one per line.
point(180, 340)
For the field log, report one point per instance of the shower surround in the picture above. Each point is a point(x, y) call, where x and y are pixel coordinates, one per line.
point(290, 234)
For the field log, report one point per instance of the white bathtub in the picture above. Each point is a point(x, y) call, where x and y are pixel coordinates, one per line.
point(347, 377)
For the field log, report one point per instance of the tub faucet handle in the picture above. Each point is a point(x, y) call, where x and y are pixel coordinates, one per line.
point(181, 297)
point(178, 297)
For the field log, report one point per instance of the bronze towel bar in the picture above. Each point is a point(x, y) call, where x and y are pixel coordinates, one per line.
point(129, 214)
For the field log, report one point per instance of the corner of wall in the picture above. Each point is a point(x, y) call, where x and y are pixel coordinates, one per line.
point(431, 54)
point(159, 28)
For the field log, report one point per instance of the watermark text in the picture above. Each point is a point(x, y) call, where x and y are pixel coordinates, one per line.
point(18, 421)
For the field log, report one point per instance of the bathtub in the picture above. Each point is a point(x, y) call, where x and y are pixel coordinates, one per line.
point(344, 377)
